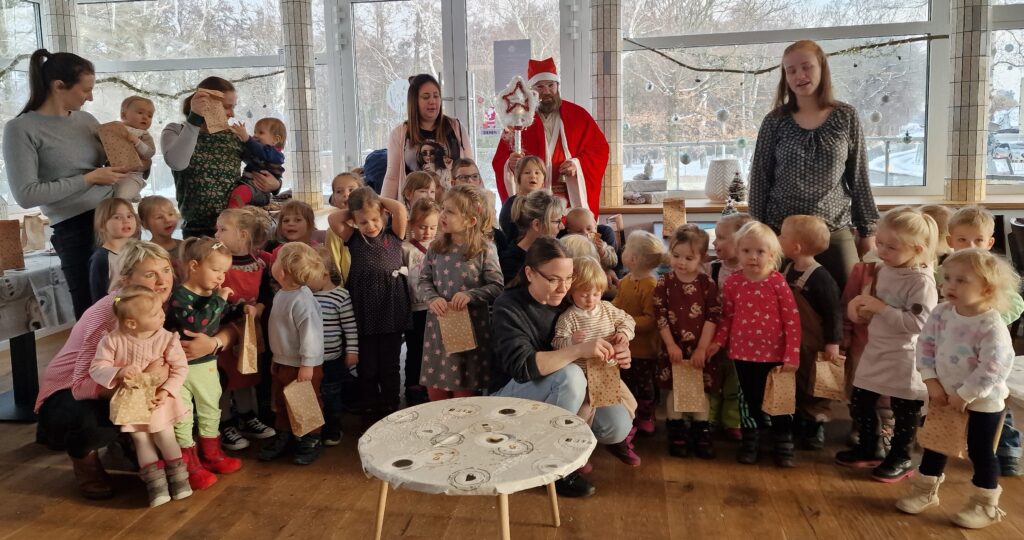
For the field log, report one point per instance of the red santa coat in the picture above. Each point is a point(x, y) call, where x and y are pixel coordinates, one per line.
point(580, 140)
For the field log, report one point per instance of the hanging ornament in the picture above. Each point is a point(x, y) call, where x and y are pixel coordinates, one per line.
point(886, 98)
point(907, 139)
point(1008, 47)
point(248, 114)
point(876, 117)
point(684, 159)
point(625, 126)
point(855, 64)
point(741, 143)
point(697, 80)
point(722, 115)
point(675, 119)
point(649, 86)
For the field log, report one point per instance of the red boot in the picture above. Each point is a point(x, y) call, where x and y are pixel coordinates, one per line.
point(213, 458)
point(198, 476)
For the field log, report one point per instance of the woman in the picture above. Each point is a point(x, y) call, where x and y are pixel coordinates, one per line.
point(811, 159)
point(54, 161)
point(525, 365)
point(426, 122)
point(74, 413)
point(206, 165)
point(536, 215)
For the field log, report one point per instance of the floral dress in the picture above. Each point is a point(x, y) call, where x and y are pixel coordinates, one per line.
point(684, 308)
point(202, 189)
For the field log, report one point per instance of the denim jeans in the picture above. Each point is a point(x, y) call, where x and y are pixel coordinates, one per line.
point(1009, 439)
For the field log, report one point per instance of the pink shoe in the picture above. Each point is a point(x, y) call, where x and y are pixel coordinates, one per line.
point(586, 469)
point(624, 450)
point(645, 420)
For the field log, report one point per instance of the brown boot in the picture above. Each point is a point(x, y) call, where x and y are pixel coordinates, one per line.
point(93, 482)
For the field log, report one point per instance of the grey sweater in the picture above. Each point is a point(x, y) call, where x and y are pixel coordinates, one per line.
point(296, 330)
point(47, 158)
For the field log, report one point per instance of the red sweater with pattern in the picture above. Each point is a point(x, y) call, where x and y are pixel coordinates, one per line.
point(760, 321)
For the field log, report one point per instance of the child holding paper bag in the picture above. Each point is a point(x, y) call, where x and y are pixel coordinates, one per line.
point(687, 308)
point(964, 355)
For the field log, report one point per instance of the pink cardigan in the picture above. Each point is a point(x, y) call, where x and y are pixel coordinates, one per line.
point(394, 178)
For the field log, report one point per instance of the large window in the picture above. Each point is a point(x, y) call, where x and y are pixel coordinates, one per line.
point(19, 35)
point(1006, 136)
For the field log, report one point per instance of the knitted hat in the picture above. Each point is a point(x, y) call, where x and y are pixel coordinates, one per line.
point(542, 70)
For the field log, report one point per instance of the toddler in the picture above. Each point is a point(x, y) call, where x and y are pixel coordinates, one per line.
point(341, 188)
point(137, 115)
point(261, 152)
point(116, 224)
point(295, 223)
point(159, 216)
point(581, 221)
point(422, 229)
point(419, 185)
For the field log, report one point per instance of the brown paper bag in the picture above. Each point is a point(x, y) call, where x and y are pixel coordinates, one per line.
point(457, 331)
point(248, 349)
point(303, 408)
point(11, 256)
point(829, 378)
point(130, 402)
point(120, 151)
point(944, 431)
point(216, 117)
point(673, 215)
point(33, 233)
point(779, 392)
point(602, 382)
point(688, 389)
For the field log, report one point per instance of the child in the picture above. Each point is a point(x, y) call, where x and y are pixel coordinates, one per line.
point(460, 271)
point(581, 221)
point(199, 305)
point(341, 188)
point(531, 175)
point(687, 308)
point(137, 115)
point(116, 224)
point(941, 214)
point(821, 320)
point(379, 292)
point(243, 231)
point(964, 356)
point(418, 185)
point(760, 329)
point(905, 296)
point(341, 338)
point(137, 344)
point(423, 228)
point(465, 171)
point(261, 152)
point(974, 227)
point(591, 318)
point(295, 223)
point(296, 334)
point(159, 216)
point(643, 254)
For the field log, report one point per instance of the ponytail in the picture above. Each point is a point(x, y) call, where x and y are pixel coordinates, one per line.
point(45, 67)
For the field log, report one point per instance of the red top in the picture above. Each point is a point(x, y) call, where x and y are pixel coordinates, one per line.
point(245, 278)
point(760, 321)
point(70, 368)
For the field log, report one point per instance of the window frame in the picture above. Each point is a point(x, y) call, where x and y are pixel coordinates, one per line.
point(1010, 17)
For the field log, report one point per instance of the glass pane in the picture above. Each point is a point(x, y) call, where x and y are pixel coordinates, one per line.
point(678, 119)
point(489, 21)
point(159, 29)
point(648, 18)
point(393, 41)
point(18, 35)
point(257, 98)
point(323, 117)
point(319, 32)
point(1005, 140)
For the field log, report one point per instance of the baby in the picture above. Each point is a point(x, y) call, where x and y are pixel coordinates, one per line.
point(262, 152)
point(137, 115)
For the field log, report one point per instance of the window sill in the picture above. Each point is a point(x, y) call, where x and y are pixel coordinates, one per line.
point(992, 202)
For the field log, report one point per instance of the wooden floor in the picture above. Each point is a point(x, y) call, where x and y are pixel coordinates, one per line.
point(664, 498)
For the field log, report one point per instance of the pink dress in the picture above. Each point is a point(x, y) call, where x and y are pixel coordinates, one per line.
point(117, 350)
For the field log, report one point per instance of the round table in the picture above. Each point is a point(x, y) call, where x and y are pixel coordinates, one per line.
point(476, 446)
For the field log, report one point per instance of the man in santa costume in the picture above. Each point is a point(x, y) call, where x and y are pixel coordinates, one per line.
point(566, 137)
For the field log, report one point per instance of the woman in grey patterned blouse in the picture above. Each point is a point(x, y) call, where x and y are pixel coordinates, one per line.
point(811, 159)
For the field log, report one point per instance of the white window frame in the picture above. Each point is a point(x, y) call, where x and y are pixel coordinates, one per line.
point(1007, 18)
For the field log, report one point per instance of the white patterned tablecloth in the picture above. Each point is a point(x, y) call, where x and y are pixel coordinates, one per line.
point(35, 297)
point(476, 446)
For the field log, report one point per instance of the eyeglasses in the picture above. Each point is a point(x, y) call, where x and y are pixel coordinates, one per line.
point(427, 152)
point(468, 177)
point(555, 281)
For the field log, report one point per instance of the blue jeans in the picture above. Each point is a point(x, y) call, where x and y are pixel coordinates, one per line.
point(566, 388)
point(1009, 439)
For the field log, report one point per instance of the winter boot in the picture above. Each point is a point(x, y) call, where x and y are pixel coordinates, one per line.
point(748, 451)
point(624, 450)
point(924, 494)
point(784, 455)
point(678, 442)
point(156, 484)
point(213, 457)
point(700, 438)
point(198, 476)
point(93, 482)
point(177, 479)
point(981, 510)
point(645, 418)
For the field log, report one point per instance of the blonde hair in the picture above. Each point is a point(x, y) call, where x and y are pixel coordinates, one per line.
point(527, 160)
point(691, 235)
point(151, 203)
point(759, 231)
point(941, 214)
point(418, 180)
point(333, 273)
point(253, 220)
point(579, 245)
point(423, 209)
point(587, 275)
point(106, 210)
point(735, 221)
point(131, 302)
point(811, 232)
point(913, 228)
point(540, 205)
point(972, 216)
point(131, 100)
point(471, 202)
point(199, 249)
point(648, 249)
point(300, 262)
point(276, 128)
point(137, 251)
point(578, 213)
point(995, 273)
point(301, 209)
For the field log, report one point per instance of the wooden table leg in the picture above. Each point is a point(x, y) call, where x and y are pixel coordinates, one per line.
point(506, 533)
point(381, 502)
point(554, 505)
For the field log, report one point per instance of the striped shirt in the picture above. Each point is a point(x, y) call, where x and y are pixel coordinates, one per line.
point(602, 322)
point(340, 334)
point(70, 368)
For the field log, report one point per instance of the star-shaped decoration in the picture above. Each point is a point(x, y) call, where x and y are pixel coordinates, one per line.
point(516, 99)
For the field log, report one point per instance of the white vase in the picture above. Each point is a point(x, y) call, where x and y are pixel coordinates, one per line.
point(720, 175)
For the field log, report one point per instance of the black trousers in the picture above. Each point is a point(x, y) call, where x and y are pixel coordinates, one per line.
point(906, 417)
point(378, 369)
point(79, 427)
point(414, 348)
point(752, 377)
point(982, 430)
point(74, 240)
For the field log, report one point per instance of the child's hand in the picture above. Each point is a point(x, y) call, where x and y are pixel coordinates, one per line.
point(351, 359)
point(713, 349)
point(613, 278)
point(598, 243)
point(832, 352)
point(620, 339)
point(597, 348)
point(132, 138)
point(438, 307)
point(460, 301)
point(578, 337)
point(448, 162)
point(956, 402)
point(225, 292)
point(936, 393)
point(789, 368)
point(305, 374)
point(251, 311)
point(699, 358)
point(675, 354)
point(158, 399)
point(128, 373)
point(239, 131)
point(870, 304)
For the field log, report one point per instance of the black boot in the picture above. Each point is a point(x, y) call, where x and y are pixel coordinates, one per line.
point(748, 451)
point(897, 464)
point(700, 437)
point(678, 443)
point(784, 456)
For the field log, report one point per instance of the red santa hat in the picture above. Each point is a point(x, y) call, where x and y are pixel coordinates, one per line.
point(541, 70)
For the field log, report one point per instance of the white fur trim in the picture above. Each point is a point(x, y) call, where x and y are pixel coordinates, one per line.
point(543, 77)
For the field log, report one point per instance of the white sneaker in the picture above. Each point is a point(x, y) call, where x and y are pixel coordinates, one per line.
point(232, 439)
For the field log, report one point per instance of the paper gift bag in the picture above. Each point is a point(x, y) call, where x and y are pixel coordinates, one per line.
point(303, 408)
point(33, 233)
point(688, 389)
point(602, 382)
point(779, 392)
point(130, 402)
point(120, 151)
point(248, 349)
point(457, 331)
point(944, 431)
point(216, 118)
point(673, 215)
point(829, 378)
point(11, 256)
